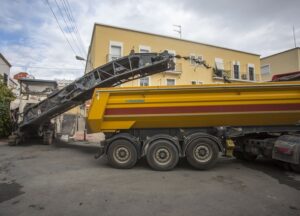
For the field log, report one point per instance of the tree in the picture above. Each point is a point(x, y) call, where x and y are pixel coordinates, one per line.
point(6, 96)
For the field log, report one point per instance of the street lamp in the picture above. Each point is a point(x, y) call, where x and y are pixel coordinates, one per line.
point(80, 58)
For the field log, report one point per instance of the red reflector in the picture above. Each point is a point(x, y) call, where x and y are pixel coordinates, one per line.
point(284, 150)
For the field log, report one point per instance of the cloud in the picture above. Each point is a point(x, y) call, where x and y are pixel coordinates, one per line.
point(29, 34)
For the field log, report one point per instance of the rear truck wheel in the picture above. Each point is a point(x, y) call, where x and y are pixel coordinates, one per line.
point(162, 155)
point(202, 153)
point(122, 154)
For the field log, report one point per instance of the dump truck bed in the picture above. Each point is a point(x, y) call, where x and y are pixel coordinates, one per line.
point(192, 106)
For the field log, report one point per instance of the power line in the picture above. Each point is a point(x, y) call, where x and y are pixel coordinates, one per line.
point(75, 24)
point(70, 31)
point(60, 26)
point(67, 9)
point(45, 67)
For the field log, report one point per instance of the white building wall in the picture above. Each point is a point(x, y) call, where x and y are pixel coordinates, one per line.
point(4, 69)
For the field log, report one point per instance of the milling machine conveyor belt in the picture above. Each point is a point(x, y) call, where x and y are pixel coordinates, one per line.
point(133, 66)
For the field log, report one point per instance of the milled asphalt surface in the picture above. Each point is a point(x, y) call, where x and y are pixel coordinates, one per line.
point(65, 179)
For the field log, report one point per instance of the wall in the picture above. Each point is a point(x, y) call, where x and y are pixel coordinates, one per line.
point(133, 39)
point(4, 68)
point(284, 62)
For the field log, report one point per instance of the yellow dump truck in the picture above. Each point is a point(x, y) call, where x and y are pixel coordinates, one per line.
point(198, 122)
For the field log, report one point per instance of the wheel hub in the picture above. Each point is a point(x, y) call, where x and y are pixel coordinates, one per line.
point(202, 153)
point(162, 156)
point(122, 154)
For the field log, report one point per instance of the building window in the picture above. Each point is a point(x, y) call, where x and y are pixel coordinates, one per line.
point(251, 72)
point(145, 49)
point(5, 78)
point(115, 50)
point(171, 82)
point(145, 81)
point(265, 69)
point(196, 82)
point(236, 70)
point(173, 53)
point(219, 69)
point(194, 59)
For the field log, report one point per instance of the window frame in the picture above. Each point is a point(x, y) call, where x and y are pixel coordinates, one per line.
point(115, 43)
point(197, 82)
point(149, 81)
point(265, 74)
point(233, 74)
point(170, 79)
point(250, 65)
point(216, 65)
point(143, 47)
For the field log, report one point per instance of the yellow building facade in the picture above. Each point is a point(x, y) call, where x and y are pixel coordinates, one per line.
point(109, 42)
point(279, 63)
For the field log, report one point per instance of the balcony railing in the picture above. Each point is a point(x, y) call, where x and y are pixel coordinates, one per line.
point(111, 57)
point(217, 73)
point(177, 70)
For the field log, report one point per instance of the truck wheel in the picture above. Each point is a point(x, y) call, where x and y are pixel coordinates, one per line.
point(202, 153)
point(122, 154)
point(162, 155)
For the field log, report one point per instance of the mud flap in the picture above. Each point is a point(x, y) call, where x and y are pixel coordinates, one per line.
point(287, 149)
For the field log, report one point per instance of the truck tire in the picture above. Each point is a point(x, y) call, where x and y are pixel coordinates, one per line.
point(122, 154)
point(162, 155)
point(202, 153)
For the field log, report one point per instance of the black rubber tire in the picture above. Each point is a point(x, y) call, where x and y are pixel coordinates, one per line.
point(126, 146)
point(205, 143)
point(166, 147)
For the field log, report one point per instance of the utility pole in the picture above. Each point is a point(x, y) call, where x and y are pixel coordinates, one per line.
point(178, 30)
point(295, 42)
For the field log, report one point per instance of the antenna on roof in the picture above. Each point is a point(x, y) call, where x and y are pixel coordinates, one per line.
point(178, 30)
point(295, 42)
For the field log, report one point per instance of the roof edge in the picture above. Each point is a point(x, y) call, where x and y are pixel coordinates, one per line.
point(288, 50)
point(166, 36)
point(5, 60)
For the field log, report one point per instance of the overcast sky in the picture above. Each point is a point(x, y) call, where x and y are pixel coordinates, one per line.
point(30, 36)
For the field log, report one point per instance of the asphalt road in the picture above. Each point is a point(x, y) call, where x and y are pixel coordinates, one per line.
point(65, 179)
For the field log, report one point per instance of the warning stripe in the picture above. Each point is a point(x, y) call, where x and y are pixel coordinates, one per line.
point(203, 109)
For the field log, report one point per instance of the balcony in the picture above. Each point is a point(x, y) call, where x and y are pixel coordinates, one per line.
point(176, 71)
point(219, 74)
point(111, 57)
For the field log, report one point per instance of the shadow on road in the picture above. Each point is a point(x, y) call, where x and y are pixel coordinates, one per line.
point(274, 170)
point(82, 147)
